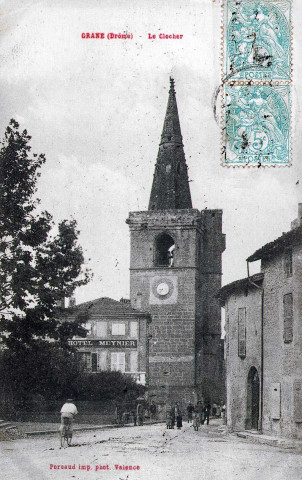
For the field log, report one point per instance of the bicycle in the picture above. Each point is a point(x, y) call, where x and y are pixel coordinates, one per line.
point(66, 433)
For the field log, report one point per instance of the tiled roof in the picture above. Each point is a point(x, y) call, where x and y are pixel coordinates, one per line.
point(278, 245)
point(107, 306)
point(241, 284)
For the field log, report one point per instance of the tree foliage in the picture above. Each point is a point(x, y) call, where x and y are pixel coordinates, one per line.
point(48, 373)
point(39, 263)
point(107, 385)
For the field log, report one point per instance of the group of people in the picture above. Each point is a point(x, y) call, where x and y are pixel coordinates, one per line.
point(203, 412)
point(135, 415)
point(198, 414)
point(174, 416)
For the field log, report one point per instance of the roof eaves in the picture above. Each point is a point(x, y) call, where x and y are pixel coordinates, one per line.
point(226, 290)
point(277, 245)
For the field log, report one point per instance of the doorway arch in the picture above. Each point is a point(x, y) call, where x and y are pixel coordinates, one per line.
point(253, 397)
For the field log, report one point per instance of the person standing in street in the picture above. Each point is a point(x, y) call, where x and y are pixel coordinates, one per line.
point(178, 416)
point(140, 414)
point(190, 410)
point(172, 416)
point(199, 411)
point(206, 413)
point(69, 410)
point(152, 410)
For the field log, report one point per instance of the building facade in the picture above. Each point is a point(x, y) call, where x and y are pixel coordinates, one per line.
point(117, 337)
point(175, 273)
point(264, 340)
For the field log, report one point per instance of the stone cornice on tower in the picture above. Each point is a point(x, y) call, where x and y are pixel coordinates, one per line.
point(170, 189)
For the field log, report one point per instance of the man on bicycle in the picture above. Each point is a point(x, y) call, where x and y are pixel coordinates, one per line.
point(69, 410)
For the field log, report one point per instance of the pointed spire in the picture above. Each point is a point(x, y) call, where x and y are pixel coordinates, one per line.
point(170, 189)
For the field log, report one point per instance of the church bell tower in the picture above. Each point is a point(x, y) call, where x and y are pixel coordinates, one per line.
point(175, 273)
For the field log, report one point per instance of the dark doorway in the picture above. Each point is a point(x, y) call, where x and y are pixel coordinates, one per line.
point(253, 396)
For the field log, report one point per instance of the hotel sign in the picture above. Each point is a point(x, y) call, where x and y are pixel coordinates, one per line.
point(103, 343)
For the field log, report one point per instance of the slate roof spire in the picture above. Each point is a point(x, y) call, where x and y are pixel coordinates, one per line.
point(170, 189)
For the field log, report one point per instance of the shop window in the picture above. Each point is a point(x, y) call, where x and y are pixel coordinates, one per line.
point(164, 251)
point(242, 332)
point(133, 329)
point(118, 361)
point(288, 262)
point(288, 317)
point(118, 329)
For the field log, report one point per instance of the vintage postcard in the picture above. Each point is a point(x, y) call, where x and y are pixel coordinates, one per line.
point(150, 239)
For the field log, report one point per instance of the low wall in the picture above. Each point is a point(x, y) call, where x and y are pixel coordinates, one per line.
point(54, 417)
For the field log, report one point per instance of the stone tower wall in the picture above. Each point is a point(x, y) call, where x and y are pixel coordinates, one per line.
point(172, 343)
point(185, 348)
point(210, 367)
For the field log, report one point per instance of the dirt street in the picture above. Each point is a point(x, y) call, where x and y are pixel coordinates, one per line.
point(153, 453)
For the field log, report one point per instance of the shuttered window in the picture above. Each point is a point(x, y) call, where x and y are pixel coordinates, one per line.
point(94, 362)
point(288, 317)
point(288, 263)
point(85, 359)
point(242, 332)
point(118, 329)
point(102, 360)
point(101, 329)
point(118, 361)
point(298, 401)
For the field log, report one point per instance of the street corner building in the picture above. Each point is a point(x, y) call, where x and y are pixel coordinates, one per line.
point(264, 340)
point(175, 274)
point(117, 337)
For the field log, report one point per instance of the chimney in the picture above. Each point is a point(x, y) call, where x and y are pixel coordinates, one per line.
point(125, 300)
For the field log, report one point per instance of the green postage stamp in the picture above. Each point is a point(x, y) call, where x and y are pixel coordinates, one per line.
point(257, 71)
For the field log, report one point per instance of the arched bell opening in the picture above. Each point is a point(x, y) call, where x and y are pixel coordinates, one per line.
point(164, 250)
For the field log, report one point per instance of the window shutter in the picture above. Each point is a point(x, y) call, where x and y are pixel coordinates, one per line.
point(242, 332)
point(118, 361)
point(102, 360)
point(94, 362)
point(85, 359)
point(298, 401)
point(101, 329)
point(288, 317)
point(288, 262)
point(118, 329)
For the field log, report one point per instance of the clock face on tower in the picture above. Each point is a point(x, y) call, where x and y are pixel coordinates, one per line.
point(163, 290)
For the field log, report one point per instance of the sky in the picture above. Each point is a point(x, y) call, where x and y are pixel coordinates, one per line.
point(95, 108)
